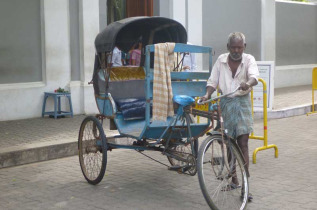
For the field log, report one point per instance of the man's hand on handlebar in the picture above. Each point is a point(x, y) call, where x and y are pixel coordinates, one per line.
point(244, 86)
point(209, 91)
point(204, 98)
point(247, 85)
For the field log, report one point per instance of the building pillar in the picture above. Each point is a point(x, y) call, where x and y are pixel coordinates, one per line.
point(189, 14)
point(88, 30)
point(268, 31)
point(194, 27)
point(194, 21)
point(179, 11)
point(57, 45)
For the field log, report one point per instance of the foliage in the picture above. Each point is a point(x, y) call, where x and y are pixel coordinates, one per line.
point(116, 10)
point(60, 90)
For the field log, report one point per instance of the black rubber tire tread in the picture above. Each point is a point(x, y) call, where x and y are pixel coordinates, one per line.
point(96, 125)
point(200, 173)
point(94, 129)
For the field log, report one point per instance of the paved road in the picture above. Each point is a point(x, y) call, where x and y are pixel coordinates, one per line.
point(134, 182)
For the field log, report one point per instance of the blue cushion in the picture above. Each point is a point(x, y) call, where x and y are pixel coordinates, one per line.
point(183, 100)
point(132, 108)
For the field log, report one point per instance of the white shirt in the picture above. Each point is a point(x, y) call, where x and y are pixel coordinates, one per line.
point(221, 74)
point(190, 60)
point(116, 57)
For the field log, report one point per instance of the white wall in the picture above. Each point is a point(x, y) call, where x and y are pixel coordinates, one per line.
point(279, 31)
point(220, 18)
point(206, 25)
point(24, 100)
point(89, 28)
point(195, 28)
point(296, 43)
point(20, 41)
point(188, 13)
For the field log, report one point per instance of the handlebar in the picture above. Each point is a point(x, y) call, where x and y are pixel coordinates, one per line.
point(217, 98)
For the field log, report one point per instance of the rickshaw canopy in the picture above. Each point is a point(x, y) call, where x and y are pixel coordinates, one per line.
point(149, 30)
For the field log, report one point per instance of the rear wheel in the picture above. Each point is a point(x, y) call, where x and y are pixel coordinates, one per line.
point(222, 174)
point(92, 148)
point(95, 131)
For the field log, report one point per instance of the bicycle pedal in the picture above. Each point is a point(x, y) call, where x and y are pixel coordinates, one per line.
point(174, 168)
point(186, 168)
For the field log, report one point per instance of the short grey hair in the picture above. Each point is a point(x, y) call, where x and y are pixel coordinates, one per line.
point(236, 35)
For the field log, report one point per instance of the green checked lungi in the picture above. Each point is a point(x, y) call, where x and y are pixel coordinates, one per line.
point(237, 116)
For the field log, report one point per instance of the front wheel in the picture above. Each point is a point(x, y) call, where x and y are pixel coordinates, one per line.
point(92, 148)
point(222, 174)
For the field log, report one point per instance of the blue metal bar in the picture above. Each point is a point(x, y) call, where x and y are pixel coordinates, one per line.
point(59, 103)
point(186, 75)
point(172, 121)
point(190, 88)
point(175, 75)
point(148, 90)
point(121, 146)
point(148, 86)
point(55, 107)
point(187, 48)
point(210, 61)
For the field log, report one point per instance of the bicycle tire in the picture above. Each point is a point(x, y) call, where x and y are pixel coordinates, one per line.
point(215, 172)
point(92, 150)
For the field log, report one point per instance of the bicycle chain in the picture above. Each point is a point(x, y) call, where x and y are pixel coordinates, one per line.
point(141, 152)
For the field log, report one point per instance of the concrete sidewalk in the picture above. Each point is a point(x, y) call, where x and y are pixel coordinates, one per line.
point(290, 101)
point(39, 139)
point(135, 182)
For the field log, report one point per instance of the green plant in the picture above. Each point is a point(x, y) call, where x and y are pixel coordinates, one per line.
point(60, 90)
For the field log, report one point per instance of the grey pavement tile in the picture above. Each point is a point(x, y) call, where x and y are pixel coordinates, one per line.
point(19, 132)
point(292, 96)
point(134, 182)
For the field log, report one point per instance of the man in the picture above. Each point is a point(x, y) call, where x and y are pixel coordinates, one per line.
point(189, 62)
point(116, 57)
point(232, 70)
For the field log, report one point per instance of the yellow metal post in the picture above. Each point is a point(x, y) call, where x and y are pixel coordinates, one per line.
point(314, 87)
point(264, 138)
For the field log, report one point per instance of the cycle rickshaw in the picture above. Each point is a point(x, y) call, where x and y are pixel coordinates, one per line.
point(124, 95)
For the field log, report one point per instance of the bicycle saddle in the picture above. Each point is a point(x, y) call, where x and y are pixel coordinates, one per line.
point(183, 100)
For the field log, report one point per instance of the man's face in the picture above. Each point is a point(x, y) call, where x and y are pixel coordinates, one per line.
point(236, 48)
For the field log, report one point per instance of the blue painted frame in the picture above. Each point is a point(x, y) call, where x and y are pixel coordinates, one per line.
point(154, 130)
point(150, 131)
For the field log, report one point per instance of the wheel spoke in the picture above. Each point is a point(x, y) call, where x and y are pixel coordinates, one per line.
point(216, 168)
point(92, 155)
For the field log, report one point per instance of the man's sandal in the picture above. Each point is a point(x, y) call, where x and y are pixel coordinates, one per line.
point(250, 197)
